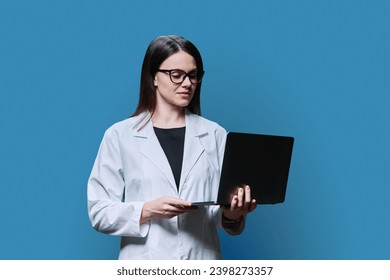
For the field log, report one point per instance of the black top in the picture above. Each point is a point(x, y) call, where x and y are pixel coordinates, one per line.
point(172, 142)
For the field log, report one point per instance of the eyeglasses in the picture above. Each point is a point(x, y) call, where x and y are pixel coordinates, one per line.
point(178, 76)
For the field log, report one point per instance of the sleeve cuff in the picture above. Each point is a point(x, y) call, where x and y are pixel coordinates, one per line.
point(143, 229)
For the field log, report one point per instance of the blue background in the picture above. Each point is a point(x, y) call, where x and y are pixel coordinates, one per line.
point(316, 70)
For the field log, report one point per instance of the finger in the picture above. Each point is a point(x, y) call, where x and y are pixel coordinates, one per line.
point(181, 211)
point(175, 207)
point(253, 205)
point(188, 208)
point(186, 204)
point(184, 208)
point(233, 205)
point(179, 203)
point(247, 198)
point(170, 213)
point(240, 197)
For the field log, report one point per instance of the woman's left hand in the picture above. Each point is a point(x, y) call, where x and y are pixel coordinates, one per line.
point(241, 204)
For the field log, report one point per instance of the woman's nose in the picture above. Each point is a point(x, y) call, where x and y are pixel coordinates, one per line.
point(186, 81)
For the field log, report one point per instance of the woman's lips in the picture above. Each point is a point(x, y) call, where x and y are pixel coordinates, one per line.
point(184, 93)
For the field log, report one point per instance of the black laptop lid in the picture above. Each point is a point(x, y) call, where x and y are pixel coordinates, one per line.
point(260, 161)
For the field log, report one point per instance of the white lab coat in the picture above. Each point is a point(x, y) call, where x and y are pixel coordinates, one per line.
point(131, 168)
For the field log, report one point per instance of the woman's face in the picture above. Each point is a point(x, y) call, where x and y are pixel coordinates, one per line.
point(169, 94)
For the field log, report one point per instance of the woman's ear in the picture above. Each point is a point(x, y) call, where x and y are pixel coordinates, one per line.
point(155, 80)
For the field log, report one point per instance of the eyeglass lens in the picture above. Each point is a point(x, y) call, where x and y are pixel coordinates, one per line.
point(178, 76)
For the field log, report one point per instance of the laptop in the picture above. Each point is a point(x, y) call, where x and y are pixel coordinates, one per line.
point(258, 160)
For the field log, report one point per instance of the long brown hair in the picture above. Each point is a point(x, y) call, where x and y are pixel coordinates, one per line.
point(158, 51)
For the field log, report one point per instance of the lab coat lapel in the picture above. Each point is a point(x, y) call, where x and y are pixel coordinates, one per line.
point(153, 151)
point(193, 148)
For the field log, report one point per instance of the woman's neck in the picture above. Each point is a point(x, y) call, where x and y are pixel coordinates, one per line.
point(169, 118)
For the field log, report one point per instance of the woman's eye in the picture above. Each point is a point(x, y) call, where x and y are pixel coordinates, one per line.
point(193, 76)
point(176, 74)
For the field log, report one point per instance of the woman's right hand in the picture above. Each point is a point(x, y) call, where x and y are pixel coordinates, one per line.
point(165, 207)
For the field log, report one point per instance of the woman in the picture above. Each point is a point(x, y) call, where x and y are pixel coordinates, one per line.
point(150, 167)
